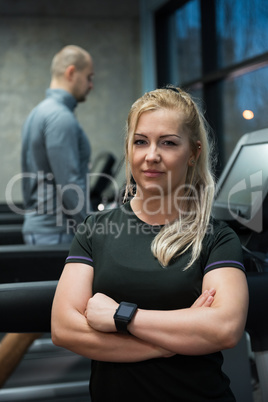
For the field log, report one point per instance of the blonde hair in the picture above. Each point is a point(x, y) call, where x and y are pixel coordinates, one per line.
point(188, 231)
point(69, 55)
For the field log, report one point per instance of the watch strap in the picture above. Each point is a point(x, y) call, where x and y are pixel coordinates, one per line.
point(121, 326)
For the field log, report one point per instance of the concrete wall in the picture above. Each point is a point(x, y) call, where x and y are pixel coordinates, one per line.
point(31, 32)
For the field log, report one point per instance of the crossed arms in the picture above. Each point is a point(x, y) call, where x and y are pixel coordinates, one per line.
point(84, 323)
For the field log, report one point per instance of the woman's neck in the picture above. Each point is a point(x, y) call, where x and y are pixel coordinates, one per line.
point(155, 210)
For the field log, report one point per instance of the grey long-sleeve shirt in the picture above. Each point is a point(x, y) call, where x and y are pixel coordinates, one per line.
point(55, 159)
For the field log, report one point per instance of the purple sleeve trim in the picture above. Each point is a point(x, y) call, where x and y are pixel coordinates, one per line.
point(79, 258)
point(226, 262)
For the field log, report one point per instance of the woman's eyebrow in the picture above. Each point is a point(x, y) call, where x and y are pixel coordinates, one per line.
point(170, 135)
point(161, 136)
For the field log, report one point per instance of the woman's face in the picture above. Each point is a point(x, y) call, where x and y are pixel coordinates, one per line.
point(161, 153)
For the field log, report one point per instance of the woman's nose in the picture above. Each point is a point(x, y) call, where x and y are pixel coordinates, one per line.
point(153, 155)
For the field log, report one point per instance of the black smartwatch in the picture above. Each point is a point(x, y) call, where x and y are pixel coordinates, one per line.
point(123, 315)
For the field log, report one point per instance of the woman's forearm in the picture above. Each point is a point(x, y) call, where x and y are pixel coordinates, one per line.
point(201, 330)
point(80, 338)
point(188, 331)
point(70, 328)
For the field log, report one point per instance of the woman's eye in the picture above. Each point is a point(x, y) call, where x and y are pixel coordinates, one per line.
point(139, 142)
point(169, 143)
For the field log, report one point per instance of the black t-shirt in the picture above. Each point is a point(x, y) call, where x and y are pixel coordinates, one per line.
point(118, 246)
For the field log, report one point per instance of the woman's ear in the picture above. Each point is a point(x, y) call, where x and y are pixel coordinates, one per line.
point(195, 155)
point(199, 149)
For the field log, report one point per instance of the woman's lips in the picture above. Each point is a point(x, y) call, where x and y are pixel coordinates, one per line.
point(152, 173)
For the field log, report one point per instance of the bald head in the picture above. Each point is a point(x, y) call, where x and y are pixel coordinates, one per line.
point(72, 70)
point(69, 55)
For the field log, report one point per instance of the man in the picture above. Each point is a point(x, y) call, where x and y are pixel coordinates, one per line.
point(55, 158)
point(56, 153)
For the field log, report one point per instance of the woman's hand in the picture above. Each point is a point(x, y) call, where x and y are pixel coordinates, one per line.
point(205, 299)
point(100, 313)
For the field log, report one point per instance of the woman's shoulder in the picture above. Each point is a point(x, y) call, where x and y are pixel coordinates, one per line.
point(218, 229)
point(221, 247)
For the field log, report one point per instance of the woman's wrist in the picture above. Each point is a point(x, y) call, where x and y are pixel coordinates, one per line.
point(123, 316)
point(133, 323)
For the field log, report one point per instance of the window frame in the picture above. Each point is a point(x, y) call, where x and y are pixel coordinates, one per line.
point(212, 75)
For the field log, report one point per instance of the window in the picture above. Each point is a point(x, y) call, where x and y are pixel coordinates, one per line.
point(241, 30)
point(221, 54)
point(188, 41)
point(244, 106)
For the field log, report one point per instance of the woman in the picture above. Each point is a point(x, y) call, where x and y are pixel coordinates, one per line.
point(152, 291)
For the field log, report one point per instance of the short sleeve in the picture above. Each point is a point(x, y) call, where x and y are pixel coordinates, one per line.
point(224, 250)
point(81, 247)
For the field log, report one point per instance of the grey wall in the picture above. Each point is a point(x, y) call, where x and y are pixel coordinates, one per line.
point(31, 33)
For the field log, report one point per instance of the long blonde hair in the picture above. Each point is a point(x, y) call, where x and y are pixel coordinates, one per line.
point(188, 231)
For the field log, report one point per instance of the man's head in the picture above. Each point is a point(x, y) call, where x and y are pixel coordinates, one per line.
point(72, 70)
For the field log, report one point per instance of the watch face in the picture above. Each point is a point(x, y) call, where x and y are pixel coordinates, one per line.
point(124, 310)
point(123, 316)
